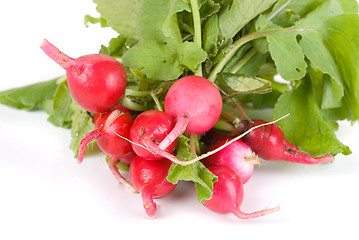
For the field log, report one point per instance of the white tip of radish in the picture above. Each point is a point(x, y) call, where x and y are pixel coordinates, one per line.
point(43, 43)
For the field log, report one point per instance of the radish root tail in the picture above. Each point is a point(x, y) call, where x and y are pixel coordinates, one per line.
point(147, 200)
point(85, 141)
point(119, 177)
point(243, 215)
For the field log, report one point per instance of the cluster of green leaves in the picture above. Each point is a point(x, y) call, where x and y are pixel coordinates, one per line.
point(319, 54)
point(245, 43)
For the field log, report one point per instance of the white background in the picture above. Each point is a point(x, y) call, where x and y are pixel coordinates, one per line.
point(45, 194)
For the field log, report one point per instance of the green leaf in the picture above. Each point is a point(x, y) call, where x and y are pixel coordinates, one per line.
point(161, 14)
point(62, 103)
point(320, 49)
point(191, 56)
point(156, 60)
point(306, 127)
point(81, 125)
point(309, 38)
point(285, 50)
point(210, 34)
point(120, 15)
point(117, 46)
point(235, 17)
point(164, 60)
point(315, 50)
point(207, 8)
point(327, 9)
point(292, 11)
point(51, 96)
point(342, 40)
point(233, 83)
point(196, 172)
point(59, 108)
point(30, 97)
point(89, 19)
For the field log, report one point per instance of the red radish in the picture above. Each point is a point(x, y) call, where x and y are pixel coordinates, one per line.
point(270, 144)
point(236, 156)
point(195, 103)
point(228, 194)
point(107, 127)
point(96, 82)
point(148, 130)
point(150, 179)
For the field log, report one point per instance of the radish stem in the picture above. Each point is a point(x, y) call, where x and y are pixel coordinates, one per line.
point(157, 102)
point(85, 141)
point(119, 177)
point(193, 145)
point(179, 128)
point(244, 60)
point(55, 54)
point(197, 30)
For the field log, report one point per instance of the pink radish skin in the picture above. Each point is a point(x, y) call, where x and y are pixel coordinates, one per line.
point(195, 103)
point(107, 127)
point(149, 178)
point(236, 156)
point(270, 144)
point(228, 195)
point(150, 128)
point(96, 82)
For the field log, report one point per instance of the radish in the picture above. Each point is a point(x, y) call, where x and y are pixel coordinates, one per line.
point(195, 103)
point(228, 194)
point(150, 179)
point(107, 126)
point(148, 130)
point(270, 144)
point(96, 82)
point(236, 156)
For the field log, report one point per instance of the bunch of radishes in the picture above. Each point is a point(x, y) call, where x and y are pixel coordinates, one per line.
point(146, 141)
